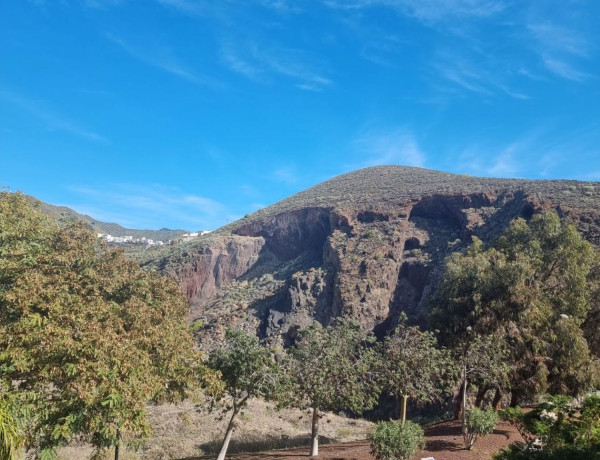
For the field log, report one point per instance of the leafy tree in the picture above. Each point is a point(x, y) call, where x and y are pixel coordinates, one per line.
point(331, 368)
point(86, 337)
point(533, 289)
point(248, 370)
point(413, 366)
point(481, 360)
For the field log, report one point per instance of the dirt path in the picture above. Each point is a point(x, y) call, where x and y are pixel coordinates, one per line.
point(444, 442)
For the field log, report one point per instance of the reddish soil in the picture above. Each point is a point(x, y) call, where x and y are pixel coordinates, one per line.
point(444, 442)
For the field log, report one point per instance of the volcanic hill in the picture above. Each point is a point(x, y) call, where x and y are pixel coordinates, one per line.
point(370, 244)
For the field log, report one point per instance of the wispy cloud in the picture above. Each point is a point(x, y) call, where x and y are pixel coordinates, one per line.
point(428, 11)
point(538, 153)
point(286, 175)
point(561, 49)
point(474, 73)
point(262, 63)
point(52, 119)
point(562, 69)
point(150, 206)
point(558, 38)
point(164, 61)
point(397, 146)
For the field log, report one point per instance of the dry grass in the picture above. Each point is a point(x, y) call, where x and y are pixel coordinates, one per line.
point(180, 431)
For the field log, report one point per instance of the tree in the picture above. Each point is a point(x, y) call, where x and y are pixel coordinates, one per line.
point(248, 370)
point(331, 368)
point(533, 289)
point(413, 366)
point(87, 337)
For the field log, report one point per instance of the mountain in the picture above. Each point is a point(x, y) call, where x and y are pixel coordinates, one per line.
point(370, 243)
point(65, 214)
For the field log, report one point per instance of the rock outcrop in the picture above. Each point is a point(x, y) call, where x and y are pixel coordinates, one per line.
point(370, 244)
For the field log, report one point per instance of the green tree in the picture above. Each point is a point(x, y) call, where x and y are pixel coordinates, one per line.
point(413, 366)
point(87, 338)
point(533, 289)
point(248, 370)
point(331, 368)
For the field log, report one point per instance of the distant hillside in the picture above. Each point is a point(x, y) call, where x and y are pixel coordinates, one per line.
point(64, 214)
point(370, 244)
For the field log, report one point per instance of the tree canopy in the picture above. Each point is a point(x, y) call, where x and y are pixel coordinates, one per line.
point(87, 338)
point(331, 368)
point(413, 365)
point(248, 370)
point(534, 290)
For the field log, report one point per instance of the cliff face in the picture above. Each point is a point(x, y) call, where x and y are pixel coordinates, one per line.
point(369, 244)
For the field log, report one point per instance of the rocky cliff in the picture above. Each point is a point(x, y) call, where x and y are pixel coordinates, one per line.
point(370, 244)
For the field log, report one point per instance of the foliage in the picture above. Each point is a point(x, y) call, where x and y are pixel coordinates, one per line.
point(247, 369)
point(396, 440)
point(533, 290)
point(520, 452)
point(556, 427)
point(87, 337)
point(479, 423)
point(11, 439)
point(414, 366)
point(331, 368)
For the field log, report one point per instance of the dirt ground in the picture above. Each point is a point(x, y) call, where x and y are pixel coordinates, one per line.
point(444, 442)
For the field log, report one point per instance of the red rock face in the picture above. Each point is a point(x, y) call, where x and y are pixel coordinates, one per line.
point(280, 271)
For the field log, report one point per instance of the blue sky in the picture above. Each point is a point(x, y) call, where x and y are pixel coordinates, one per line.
point(191, 113)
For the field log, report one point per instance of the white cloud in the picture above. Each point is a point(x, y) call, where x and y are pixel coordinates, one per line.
point(389, 147)
point(559, 48)
point(261, 63)
point(562, 69)
point(428, 11)
point(151, 206)
point(285, 175)
point(52, 120)
point(163, 61)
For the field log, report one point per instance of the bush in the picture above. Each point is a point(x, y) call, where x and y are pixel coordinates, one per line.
point(520, 451)
point(479, 423)
point(396, 441)
point(556, 429)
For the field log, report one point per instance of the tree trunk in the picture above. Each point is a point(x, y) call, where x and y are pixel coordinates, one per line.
point(227, 437)
point(459, 404)
point(404, 398)
point(464, 400)
point(117, 445)
point(481, 392)
point(314, 437)
point(497, 403)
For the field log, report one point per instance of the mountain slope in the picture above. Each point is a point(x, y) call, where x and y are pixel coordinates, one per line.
point(65, 214)
point(370, 243)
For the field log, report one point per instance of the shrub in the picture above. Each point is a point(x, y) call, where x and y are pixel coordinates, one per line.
point(556, 429)
point(479, 423)
point(396, 441)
